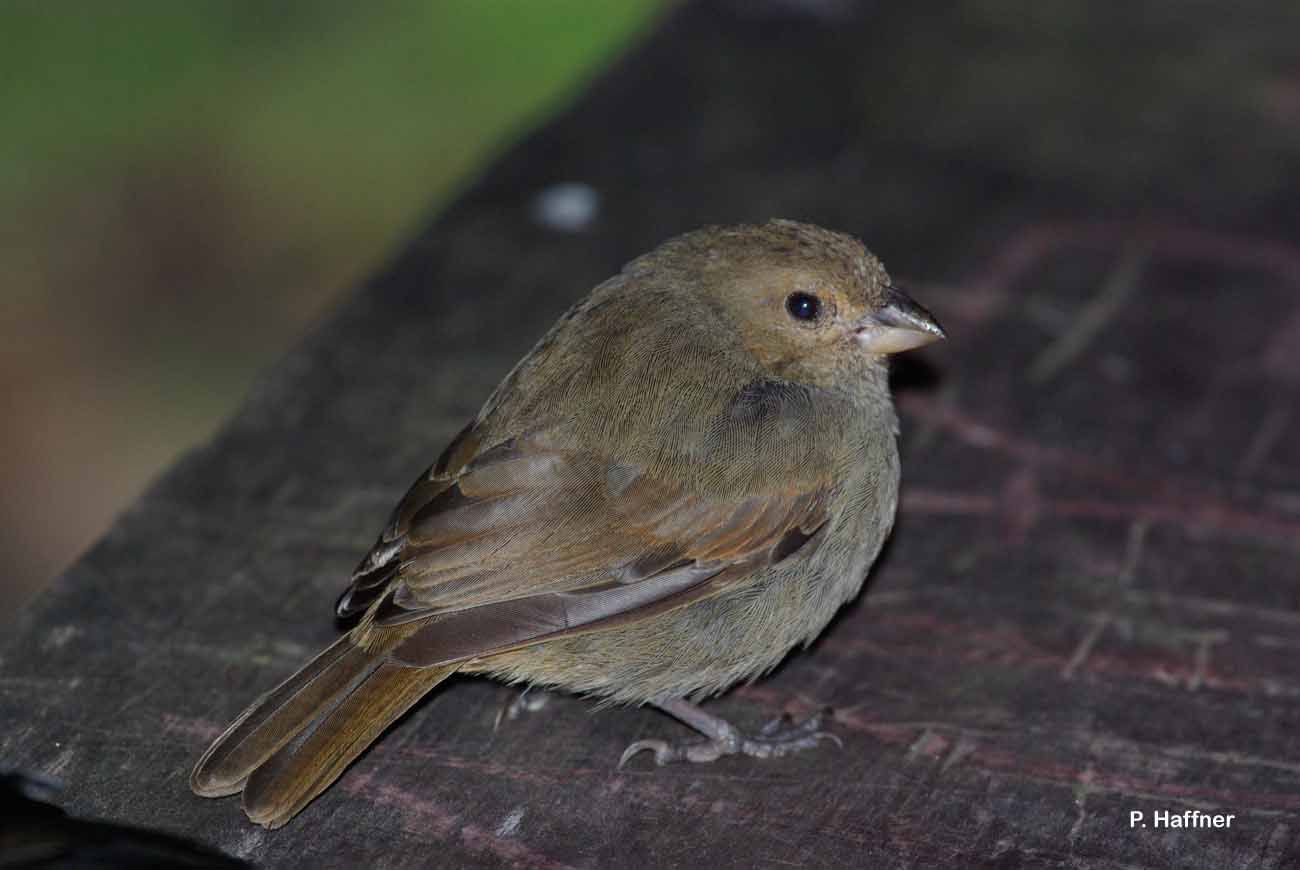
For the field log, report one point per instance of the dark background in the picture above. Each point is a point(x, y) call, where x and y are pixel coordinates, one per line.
point(1091, 605)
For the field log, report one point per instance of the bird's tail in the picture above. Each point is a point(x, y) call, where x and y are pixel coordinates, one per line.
point(292, 743)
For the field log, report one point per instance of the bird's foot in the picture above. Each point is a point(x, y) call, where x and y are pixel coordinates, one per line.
point(527, 701)
point(781, 736)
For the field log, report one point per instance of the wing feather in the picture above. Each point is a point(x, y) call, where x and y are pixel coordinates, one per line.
point(528, 541)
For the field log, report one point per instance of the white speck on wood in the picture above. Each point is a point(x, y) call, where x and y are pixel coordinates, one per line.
point(510, 824)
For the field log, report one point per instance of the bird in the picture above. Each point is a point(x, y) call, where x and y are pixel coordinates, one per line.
point(684, 479)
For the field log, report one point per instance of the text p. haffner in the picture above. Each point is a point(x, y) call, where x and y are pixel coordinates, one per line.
point(1185, 819)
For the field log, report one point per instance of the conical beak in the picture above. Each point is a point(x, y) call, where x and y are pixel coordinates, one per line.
point(900, 324)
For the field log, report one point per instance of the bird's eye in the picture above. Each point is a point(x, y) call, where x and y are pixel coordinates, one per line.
point(803, 306)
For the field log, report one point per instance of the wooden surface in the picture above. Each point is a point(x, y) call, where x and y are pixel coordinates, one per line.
point(1091, 605)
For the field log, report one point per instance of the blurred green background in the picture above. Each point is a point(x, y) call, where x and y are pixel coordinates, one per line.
point(186, 187)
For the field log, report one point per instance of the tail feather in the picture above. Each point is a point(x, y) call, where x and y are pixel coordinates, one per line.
point(301, 770)
point(275, 718)
point(294, 741)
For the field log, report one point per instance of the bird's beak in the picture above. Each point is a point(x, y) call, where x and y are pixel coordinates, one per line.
point(900, 324)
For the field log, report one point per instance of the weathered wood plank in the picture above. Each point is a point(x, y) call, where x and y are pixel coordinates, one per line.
point(1092, 604)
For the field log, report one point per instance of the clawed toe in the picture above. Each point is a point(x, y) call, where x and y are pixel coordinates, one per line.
point(780, 737)
point(784, 727)
point(527, 701)
point(698, 751)
point(786, 744)
point(659, 747)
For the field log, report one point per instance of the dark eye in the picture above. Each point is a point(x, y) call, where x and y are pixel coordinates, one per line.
point(803, 306)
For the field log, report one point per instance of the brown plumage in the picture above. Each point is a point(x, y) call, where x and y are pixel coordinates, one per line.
point(685, 478)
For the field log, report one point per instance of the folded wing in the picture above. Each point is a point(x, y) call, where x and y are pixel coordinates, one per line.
point(528, 541)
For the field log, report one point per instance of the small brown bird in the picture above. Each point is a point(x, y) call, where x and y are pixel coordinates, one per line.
point(686, 477)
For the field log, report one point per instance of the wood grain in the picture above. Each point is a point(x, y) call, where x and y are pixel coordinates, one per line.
point(1092, 601)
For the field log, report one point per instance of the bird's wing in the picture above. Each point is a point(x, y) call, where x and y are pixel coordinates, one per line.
point(529, 541)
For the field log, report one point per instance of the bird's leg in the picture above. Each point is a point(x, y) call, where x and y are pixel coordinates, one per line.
point(522, 703)
point(781, 736)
